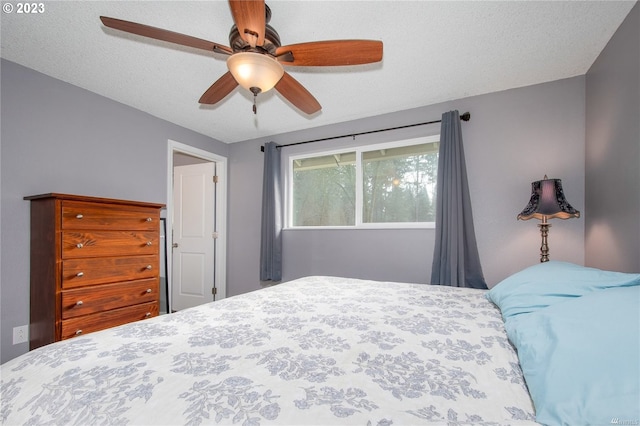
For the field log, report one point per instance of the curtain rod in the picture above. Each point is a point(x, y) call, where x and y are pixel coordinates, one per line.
point(464, 117)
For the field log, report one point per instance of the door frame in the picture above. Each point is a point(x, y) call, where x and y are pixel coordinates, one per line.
point(220, 273)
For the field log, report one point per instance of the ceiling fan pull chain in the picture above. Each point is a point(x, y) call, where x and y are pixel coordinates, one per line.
point(255, 91)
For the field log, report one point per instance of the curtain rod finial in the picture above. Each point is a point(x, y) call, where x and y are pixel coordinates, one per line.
point(466, 116)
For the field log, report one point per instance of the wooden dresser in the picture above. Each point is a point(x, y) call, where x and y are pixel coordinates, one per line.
point(95, 264)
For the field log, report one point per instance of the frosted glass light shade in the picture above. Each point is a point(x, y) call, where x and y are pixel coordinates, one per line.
point(255, 70)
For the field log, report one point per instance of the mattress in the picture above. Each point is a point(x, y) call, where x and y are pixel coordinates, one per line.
point(317, 350)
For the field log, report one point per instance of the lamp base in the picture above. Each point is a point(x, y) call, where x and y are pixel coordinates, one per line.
point(544, 247)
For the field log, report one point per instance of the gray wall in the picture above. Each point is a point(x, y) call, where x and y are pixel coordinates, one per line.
point(613, 152)
point(514, 137)
point(59, 138)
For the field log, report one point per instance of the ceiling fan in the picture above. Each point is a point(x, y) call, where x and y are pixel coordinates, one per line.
point(256, 57)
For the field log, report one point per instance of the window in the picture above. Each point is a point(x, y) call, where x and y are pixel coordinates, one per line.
point(384, 185)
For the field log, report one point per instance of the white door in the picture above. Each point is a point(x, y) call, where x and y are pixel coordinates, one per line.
point(193, 235)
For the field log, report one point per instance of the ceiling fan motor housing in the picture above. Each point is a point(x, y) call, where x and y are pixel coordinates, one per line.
point(271, 39)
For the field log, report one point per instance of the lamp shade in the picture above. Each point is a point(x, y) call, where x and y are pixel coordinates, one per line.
point(255, 70)
point(548, 202)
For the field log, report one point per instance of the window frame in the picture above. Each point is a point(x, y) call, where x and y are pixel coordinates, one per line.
point(359, 224)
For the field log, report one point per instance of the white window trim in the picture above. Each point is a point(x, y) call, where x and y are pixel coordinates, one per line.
point(359, 202)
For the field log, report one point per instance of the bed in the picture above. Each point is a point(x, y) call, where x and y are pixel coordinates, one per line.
point(317, 350)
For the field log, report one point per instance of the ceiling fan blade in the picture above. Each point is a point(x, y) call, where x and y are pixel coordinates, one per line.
point(218, 90)
point(295, 93)
point(250, 18)
point(330, 53)
point(164, 35)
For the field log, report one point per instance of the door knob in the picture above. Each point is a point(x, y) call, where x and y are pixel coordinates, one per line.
point(174, 245)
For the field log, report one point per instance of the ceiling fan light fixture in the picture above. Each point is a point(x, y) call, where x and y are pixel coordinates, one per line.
point(255, 70)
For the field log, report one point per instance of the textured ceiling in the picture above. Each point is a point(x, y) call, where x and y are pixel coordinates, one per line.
point(433, 52)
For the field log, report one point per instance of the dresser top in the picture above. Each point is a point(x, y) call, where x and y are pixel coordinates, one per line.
point(72, 197)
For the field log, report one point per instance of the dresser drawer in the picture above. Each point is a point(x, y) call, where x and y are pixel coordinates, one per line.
point(89, 323)
point(89, 300)
point(81, 215)
point(109, 243)
point(103, 270)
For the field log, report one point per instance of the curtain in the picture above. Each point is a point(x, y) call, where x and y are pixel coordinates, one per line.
point(455, 259)
point(271, 232)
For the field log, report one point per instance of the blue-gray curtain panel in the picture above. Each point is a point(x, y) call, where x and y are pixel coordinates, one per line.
point(271, 238)
point(455, 259)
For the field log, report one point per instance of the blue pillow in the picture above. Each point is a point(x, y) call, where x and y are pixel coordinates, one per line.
point(551, 282)
point(581, 359)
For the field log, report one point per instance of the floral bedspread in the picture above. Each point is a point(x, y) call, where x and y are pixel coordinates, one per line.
point(318, 350)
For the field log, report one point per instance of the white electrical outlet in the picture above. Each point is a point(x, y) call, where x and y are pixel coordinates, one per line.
point(20, 334)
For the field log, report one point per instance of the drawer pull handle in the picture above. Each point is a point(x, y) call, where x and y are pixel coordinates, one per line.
point(80, 274)
point(149, 267)
point(147, 315)
point(149, 243)
point(78, 332)
point(149, 219)
point(148, 290)
point(79, 245)
point(79, 216)
point(79, 303)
